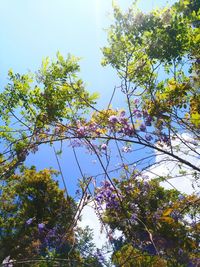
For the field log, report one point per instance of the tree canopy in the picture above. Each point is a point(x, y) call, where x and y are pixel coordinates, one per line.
point(156, 56)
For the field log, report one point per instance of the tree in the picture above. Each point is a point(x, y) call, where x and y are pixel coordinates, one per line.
point(36, 217)
point(38, 110)
point(156, 223)
point(156, 56)
point(37, 221)
point(87, 248)
point(143, 47)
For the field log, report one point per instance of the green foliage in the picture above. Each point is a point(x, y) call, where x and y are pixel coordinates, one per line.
point(57, 93)
point(86, 247)
point(127, 256)
point(153, 220)
point(143, 47)
point(33, 196)
point(32, 105)
point(157, 57)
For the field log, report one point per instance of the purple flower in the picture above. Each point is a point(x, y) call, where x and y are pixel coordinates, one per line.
point(93, 127)
point(148, 137)
point(175, 215)
point(99, 199)
point(106, 184)
point(123, 113)
point(157, 215)
point(8, 262)
point(104, 147)
point(148, 120)
point(133, 218)
point(41, 226)
point(164, 138)
point(128, 130)
point(100, 256)
point(113, 119)
point(128, 187)
point(81, 131)
point(52, 233)
point(142, 127)
point(107, 194)
point(137, 113)
point(29, 221)
point(123, 120)
point(181, 197)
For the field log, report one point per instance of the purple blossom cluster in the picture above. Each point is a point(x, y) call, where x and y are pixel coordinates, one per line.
point(133, 218)
point(118, 123)
point(49, 237)
point(148, 137)
point(88, 130)
point(127, 129)
point(181, 197)
point(99, 256)
point(142, 127)
point(176, 215)
point(164, 138)
point(137, 113)
point(108, 194)
point(81, 131)
point(41, 227)
point(157, 215)
point(52, 239)
point(124, 126)
point(128, 187)
point(147, 119)
point(113, 119)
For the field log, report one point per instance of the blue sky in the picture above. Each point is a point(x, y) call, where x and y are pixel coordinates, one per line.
point(31, 30)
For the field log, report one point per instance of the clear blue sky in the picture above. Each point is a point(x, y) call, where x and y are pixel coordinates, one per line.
point(33, 29)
